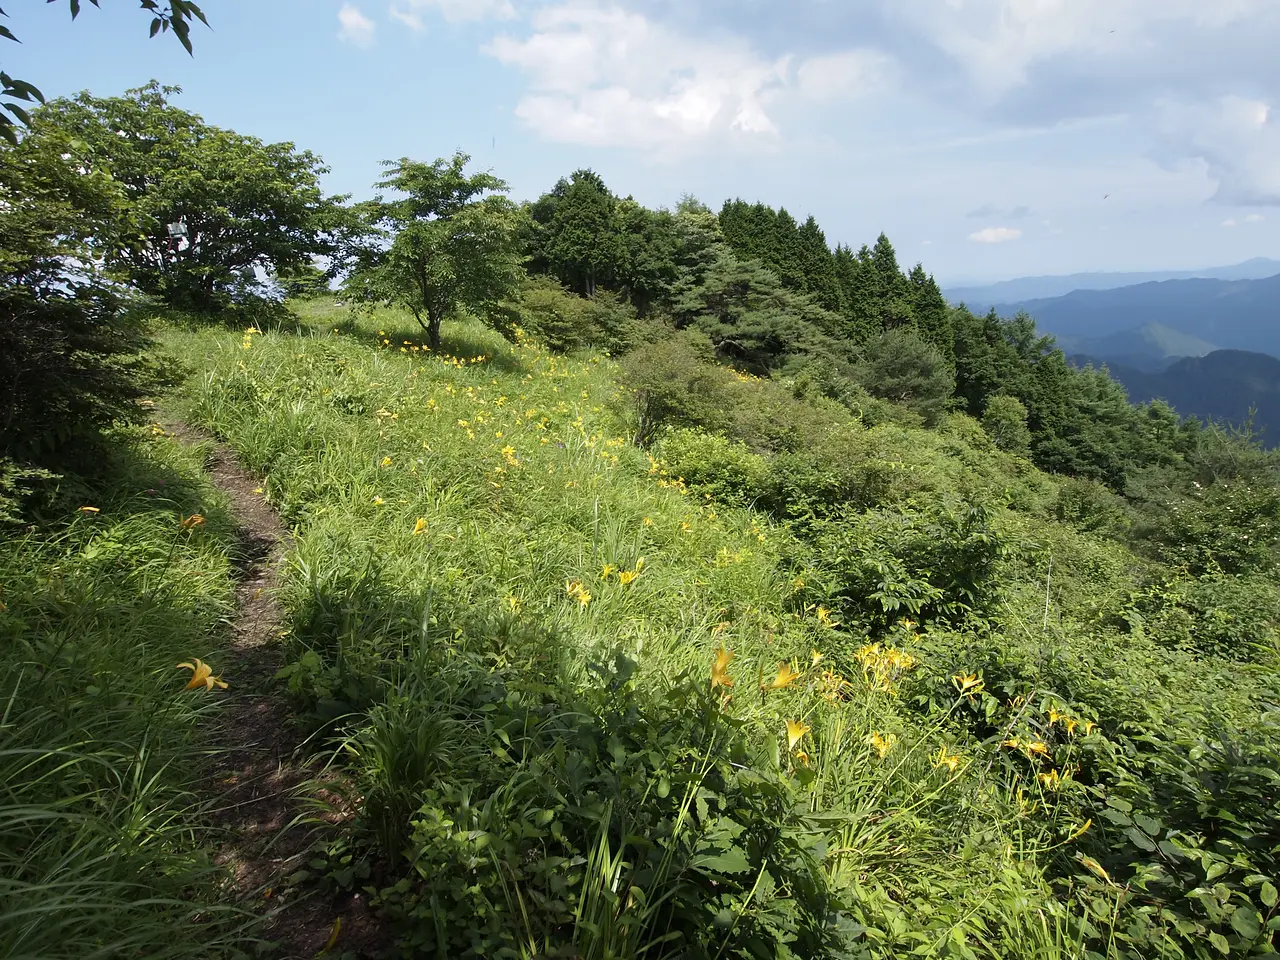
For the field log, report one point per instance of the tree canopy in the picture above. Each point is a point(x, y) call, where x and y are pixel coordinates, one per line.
point(446, 240)
point(248, 207)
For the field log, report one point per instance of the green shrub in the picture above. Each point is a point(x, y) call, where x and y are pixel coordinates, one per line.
point(675, 383)
point(726, 469)
point(1005, 420)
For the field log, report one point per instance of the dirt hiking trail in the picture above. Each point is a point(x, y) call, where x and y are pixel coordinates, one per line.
point(268, 801)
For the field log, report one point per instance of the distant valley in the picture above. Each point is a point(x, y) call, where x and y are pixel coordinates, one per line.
point(1206, 344)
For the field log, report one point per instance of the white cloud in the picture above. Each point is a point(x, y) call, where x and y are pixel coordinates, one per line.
point(1254, 218)
point(355, 26)
point(1231, 222)
point(409, 18)
point(843, 75)
point(998, 42)
point(996, 235)
point(462, 11)
point(604, 76)
point(1238, 138)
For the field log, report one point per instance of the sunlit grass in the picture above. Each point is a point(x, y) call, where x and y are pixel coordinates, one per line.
point(102, 848)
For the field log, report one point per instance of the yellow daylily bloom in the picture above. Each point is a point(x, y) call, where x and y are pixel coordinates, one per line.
point(1051, 780)
point(802, 756)
point(968, 684)
point(1081, 830)
point(386, 461)
point(627, 577)
point(720, 670)
point(881, 743)
point(1096, 868)
point(949, 760)
point(1038, 747)
point(785, 678)
point(201, 676)
point(815, 658)
point(193, 521)
point(796, 729)
point(90, 510)
point(607, 571)
point(420, 527)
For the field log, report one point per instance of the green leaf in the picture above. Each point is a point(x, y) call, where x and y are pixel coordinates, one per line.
point(1219, 941)
point(1268, 895)
point(156, 24)
point(733, 860)
point(75, 9)
point(1246, 922)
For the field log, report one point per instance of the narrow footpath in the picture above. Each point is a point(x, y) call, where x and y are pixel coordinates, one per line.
point(270, 797)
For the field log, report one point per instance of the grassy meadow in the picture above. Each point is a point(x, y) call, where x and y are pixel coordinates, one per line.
point(104, 847)
point(598, 701)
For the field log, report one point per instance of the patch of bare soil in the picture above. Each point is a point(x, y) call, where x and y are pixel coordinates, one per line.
point(269, 797)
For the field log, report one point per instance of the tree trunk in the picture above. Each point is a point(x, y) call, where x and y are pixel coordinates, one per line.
point(433, 330)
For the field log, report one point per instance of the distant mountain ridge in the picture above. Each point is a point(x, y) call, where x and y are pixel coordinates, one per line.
point(1150, 348)
point(1233, 314)
point(981, 297)
point(1224, 385)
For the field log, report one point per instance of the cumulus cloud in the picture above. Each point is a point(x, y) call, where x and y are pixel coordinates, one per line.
point(990, 211)
point(456, 11)
point(843, 75)
point(999, 44)
point(409, 18)
point(605, 76)
point(355, 27)
point(996, 235)
point(1238, 138)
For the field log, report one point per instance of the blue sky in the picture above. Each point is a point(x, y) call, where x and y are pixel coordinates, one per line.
point(981, 135)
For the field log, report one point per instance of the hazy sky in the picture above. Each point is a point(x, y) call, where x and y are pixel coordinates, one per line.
point(981, 135)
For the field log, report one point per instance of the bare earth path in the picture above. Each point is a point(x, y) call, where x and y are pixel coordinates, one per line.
point(261, 778)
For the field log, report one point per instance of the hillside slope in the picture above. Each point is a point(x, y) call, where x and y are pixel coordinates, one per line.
point(982, 297)
point(851, 724)
point(1224, 385)
point(1235, 314)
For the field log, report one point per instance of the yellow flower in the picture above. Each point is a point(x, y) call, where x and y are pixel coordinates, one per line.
point(815, 658)
point(584, 598)
point(378, 501)
point(796, 729)
point(607, 571)
point(386, 461)
point(1051, 780)
point(1071, 725)
point(639, 564)
point(193, 521)
point(627, 577)
point(648, 521)
point(1095, 867)
point(1038, 747)
point(802, 756)
point(1013, 743)
point(824, 617)
point(514, 602)
point(201, 676)
point(90, 510)
point(1080, 831)
point(968, 684)
point(420, 527)
point(882, 744)
point(832, 684)
point(720, 670)
point(785, 678)
point(944, 759)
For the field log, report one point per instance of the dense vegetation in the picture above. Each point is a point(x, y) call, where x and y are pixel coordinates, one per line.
point(666, 583)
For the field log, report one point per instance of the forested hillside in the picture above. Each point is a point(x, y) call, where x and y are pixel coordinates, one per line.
point(661, 583)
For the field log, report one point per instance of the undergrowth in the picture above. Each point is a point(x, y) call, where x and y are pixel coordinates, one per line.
point(598, 701)
point(103, 847)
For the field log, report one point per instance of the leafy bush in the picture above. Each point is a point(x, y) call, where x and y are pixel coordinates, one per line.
point(675, 383)
point(725, 469)
point(70, 357)
point(1005, 420)
point(901, 367)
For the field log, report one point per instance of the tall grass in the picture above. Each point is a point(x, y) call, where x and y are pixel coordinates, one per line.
point(103, 851)
point(479, 519)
